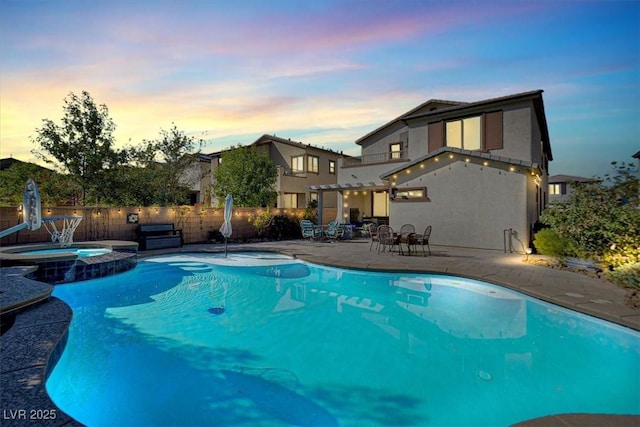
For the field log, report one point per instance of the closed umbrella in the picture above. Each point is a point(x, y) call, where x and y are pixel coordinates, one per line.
point(226, 225)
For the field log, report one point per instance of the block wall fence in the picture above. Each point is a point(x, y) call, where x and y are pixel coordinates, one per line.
point(110, 223)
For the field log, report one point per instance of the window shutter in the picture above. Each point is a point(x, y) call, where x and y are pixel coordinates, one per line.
point(404, 140)
point(493, 131)
point(436, 136)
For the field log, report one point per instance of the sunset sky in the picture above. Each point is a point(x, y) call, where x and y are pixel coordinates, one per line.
point(321, 72)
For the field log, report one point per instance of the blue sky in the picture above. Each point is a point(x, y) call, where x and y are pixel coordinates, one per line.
point(321, 72)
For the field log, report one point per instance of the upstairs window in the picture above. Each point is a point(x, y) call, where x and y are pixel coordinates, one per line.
point(332, 167)
point(395, 150)
point(464, 133)
point(555, 190)
point(297, 164)
point(312, 164)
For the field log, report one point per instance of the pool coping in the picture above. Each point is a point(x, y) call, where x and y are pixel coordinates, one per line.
point(47, 320)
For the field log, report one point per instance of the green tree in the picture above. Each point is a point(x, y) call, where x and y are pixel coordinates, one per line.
point(55, 188)
point(248, 174)
point(168, 168)
point(82, 146)
point(601, 220)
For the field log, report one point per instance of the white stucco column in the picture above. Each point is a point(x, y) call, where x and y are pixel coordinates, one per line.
point(340, 207)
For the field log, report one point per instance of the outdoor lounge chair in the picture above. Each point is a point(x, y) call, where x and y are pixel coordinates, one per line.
point(310, 230)
point(334, 230)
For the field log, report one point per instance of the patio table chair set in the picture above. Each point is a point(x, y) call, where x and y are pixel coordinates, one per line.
point(386, 238)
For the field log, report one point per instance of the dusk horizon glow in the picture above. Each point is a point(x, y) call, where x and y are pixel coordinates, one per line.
point(323, 73)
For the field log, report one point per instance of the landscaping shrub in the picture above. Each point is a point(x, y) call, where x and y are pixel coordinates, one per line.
point(548, 242)
point(283, 227)
point(626, 276)
point(261, 222)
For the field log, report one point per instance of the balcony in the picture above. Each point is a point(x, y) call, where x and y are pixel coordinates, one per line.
point(294, 173)
point(377, 158)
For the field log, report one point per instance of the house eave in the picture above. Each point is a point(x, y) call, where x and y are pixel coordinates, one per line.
point(447, 155)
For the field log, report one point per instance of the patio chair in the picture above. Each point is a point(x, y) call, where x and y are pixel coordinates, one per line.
point(334, 230)
point(372, 229)
point(310, 230)
point(386, 238)
point(424, 239)
point(405, 231)
point(407, 228)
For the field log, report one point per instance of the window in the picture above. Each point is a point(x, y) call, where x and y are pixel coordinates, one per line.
point(555, 189)
point(409, 194)
point(332, 167)
point(395, 151)
point(312, 164)
point(313, 196)
point(290, 200)
point(464, 133)
point(297, 164)
point(380, 203)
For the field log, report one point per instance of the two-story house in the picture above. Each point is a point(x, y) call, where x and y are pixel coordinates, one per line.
point(561, 187)
point(476, 172)
point(299, 165)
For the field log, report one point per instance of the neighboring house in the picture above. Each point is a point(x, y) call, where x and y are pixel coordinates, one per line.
point(198, 177)
point(561, 187)
point(474, 171)
point(299, 165)
point(6, 163)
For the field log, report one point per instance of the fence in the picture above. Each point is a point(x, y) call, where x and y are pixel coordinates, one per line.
point(112, 224)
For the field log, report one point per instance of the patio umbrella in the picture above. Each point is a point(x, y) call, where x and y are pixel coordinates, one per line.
point(226, 225)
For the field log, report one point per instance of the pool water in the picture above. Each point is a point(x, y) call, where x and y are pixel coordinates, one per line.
point(262, 339)
point(80, 252)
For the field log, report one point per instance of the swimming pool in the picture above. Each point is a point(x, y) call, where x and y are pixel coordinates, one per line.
point(262, 339)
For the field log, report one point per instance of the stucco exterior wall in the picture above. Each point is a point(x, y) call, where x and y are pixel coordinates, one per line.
point(469, 206)
point(363, 174)
point(382, 145)
point(517, 132)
